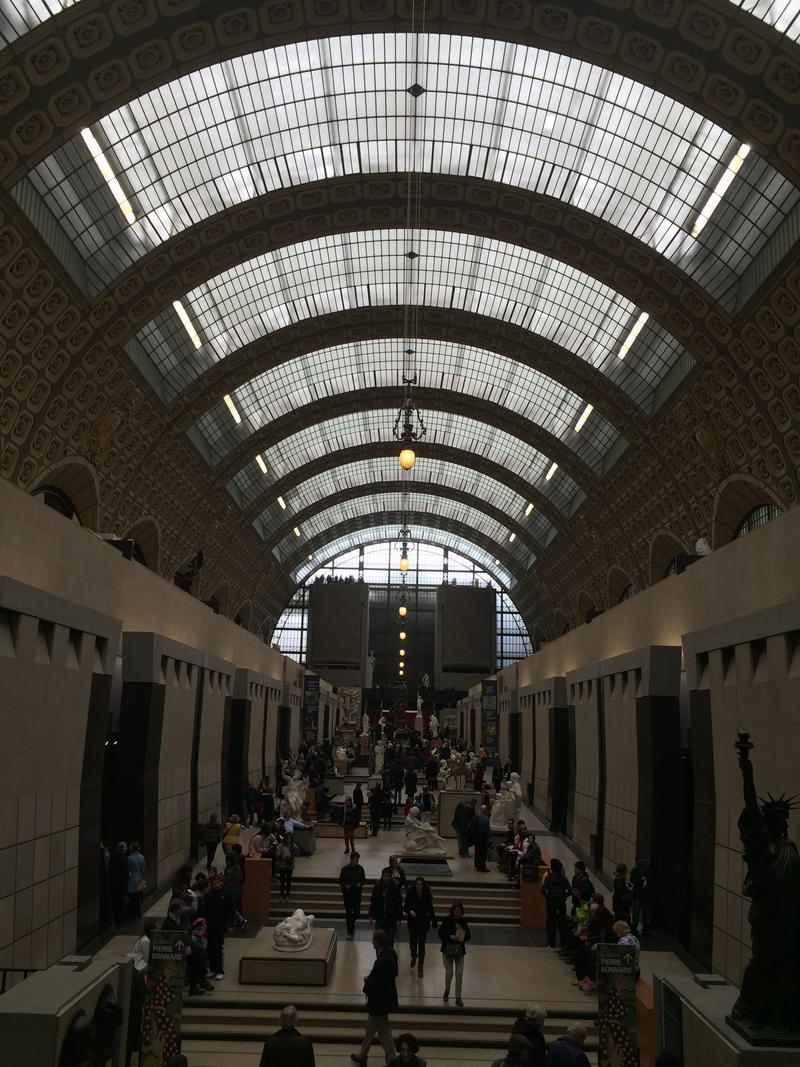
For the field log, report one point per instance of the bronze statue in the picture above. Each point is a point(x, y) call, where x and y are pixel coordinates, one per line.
point(768, 1007)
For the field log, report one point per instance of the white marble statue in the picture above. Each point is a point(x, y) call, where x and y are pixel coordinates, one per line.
point(294, 794)
point(433, 725)
point(340, 761)
point(426, 681)
point(502, 808)
point(365, 725)
point(421, 836)
point(370, 671)
point(419, 702)
point(294, 933)
point(515, 787)
point(379, 751)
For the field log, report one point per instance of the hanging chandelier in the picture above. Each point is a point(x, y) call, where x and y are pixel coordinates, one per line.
point(403, 545)
point(408, 426)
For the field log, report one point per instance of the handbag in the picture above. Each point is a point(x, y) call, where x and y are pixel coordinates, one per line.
point(453, 949)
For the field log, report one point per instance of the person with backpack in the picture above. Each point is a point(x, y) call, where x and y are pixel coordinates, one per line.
point(556, 891)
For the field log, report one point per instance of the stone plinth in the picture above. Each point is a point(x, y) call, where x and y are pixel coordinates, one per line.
point(266, 965)
point(256, 889)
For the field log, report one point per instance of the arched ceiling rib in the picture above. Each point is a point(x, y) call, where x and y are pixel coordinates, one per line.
point(433, 529)
point(452, 269)
point(335, 465)
point(519, 116)
point(460, 481)
point(365, 416)
point(711, 56)
point(436, 365)
point(377, 501)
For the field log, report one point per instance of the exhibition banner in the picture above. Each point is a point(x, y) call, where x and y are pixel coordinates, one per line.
point(617, 966)
point(310, 708)
point(163, 1000)
point(489, 717)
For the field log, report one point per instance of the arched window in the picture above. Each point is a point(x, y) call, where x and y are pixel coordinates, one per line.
point(759, 516)
point(53, 497)
point(629, 591)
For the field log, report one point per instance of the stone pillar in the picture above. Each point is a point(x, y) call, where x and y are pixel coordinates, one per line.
point(56, 663)
point(744, 673)
point(586, 792)
point(248, 732)
point(172, 725)
point(545, 704)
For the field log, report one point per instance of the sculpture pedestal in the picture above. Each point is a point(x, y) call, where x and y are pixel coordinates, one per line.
point(256, 889)
point(707, 1036)
point(532, 907)
point(266, 965)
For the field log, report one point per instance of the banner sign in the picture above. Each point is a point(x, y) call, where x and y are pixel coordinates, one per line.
point(310, 708)
point(489, 717)
point(163, 999)
point(617, 966)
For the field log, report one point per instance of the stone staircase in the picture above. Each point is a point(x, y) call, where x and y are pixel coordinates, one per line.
point(248, 1021)
point(490, 903)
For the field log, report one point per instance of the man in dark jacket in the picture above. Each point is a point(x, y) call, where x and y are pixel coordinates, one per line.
point(567, 1051)
point(482, 832)
point(351, 882)
point(380, 989)
point(530, 1026)
point(518, 1050)
point(462, 817)
point(386, 905)
point(287, 1047)
point(582, 885)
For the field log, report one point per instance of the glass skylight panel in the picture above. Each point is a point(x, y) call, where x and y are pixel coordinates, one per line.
point(429, 534)
point(425, 472)
point(364, 269)
point(319, 109)
point(19, 16)
point(366, 427)
point(782, 15)
point(438, 365)
point(383, 503)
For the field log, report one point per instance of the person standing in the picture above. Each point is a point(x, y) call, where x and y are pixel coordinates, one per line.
point(349, 824)
point(420, 916)
point(288, 1047)
point(556, 891)
point(233, 827)
point(210, 836)
point(284, 862)
point(398, 874)
point(531, 1026)
point(462, 817)
point(386, 905)
point(358, 802)
point(454, 933)
point(481, 833)
point(582, 885)
point(567, 1051)
point(622, 894)
point(380, 989)
point(252, 797)
point(641, 895)
point(137, 883)
point(375, 809)
point(218, 913)
point(351, 882)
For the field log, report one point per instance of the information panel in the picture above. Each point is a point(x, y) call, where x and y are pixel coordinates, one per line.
point(489, 717)
point(617, 966)
point(310, 708)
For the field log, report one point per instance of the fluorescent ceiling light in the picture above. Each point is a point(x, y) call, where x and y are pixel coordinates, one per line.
point(528, 510)
point(311, 557)
point(296, 532)
point(582, 420)
point(551, 472)
point(237, 418)
point(637, 329)
point(183, 315)
point(261, 463)
point(512, 536)
point(282, 502)
point(108, 174)
point(719, 190)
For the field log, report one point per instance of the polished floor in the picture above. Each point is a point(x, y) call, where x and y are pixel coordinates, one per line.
point(505, 967)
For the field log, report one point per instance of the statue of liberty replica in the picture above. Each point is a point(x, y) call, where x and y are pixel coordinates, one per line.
point(767, 1011)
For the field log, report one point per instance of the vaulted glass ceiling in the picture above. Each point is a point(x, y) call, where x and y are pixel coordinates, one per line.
point(380, 504)
point(439, 365)
point(19, 16)
point(383, 469)
point(364, 427)
point(508, 113)
point(428, 534)
point(452, 270)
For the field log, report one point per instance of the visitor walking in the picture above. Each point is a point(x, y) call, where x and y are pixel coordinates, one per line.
point(375, 809)
point(622, 894)
point(351, 882)
point(218, 913)
point(118, 882)
point(380, 989)
point(454, 933)
point(210, 836)
point(641, 895)
point(349, 824)
point(386, 905)
point(556, 892)
point(284, 863)
point(421, 916)
point(137, 883)
point(233, 828)
point(481, 832)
